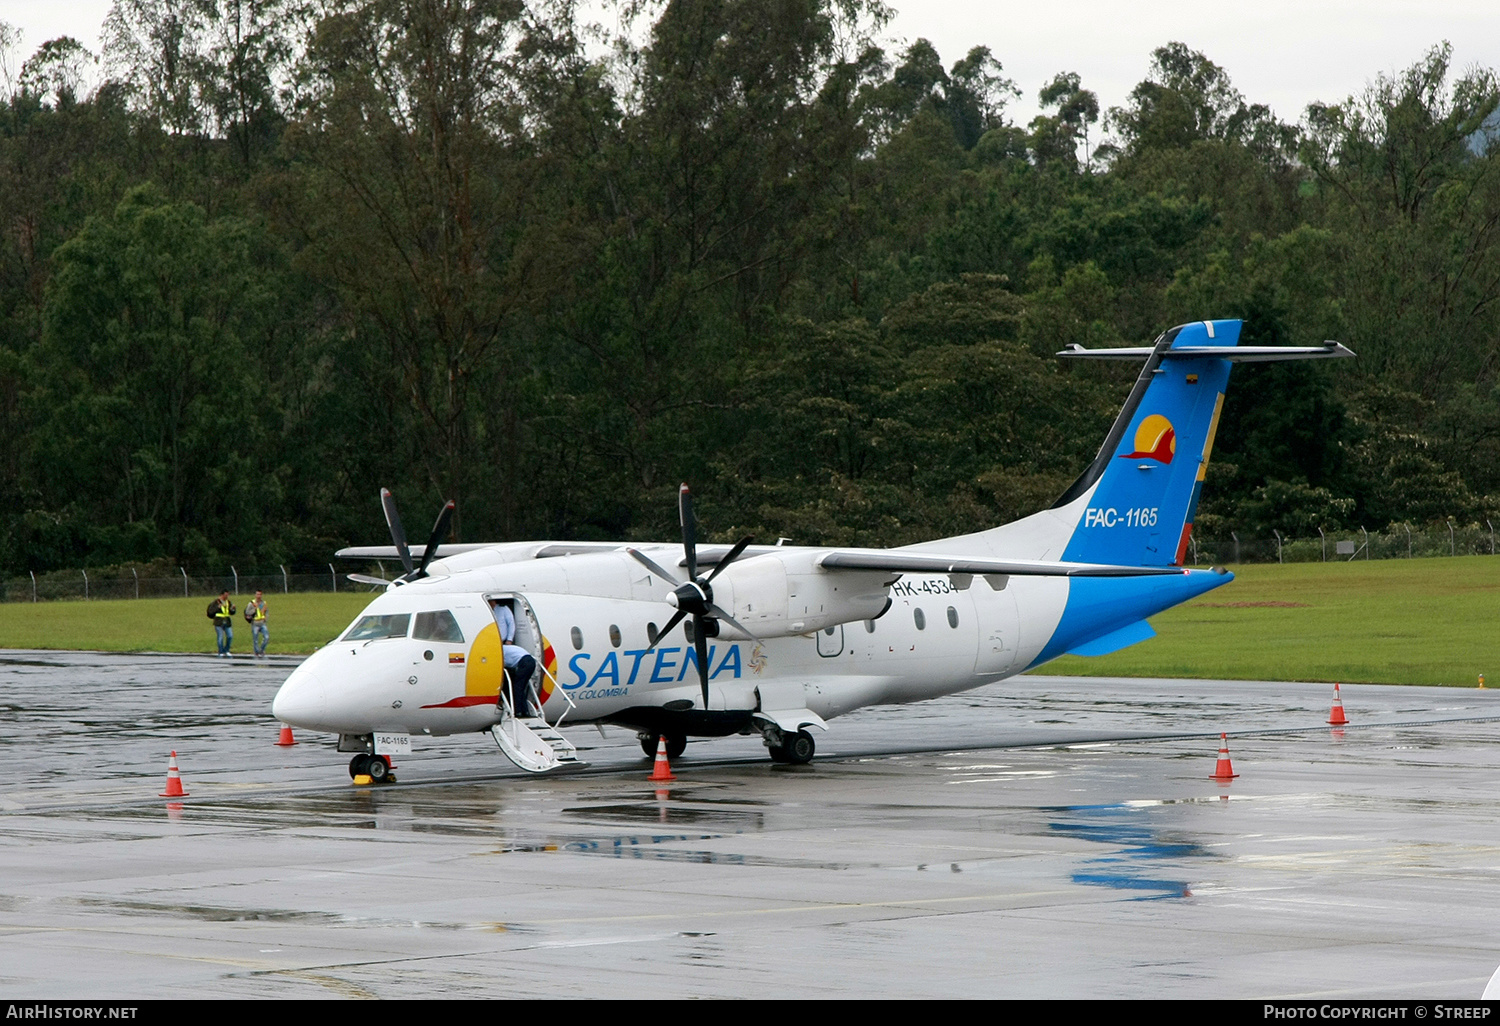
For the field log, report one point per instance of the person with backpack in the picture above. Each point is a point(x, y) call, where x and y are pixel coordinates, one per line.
point(255, 616)
point(221, 611)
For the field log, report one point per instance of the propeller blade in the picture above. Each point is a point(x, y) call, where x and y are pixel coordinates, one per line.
point(677, 618)
point(719, 614)
point(700, 643)
point(689, 530)
point(393, 521)
point(439, 529)
point(734, 554)
point(645, 561)
point(367, 579)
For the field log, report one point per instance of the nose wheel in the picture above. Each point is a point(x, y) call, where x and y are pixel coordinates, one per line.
point(376, 767)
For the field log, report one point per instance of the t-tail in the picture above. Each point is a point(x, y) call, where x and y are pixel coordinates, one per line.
point(1136, 502)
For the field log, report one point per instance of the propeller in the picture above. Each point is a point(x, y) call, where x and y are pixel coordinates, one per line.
point(398, 535)
point(695, 596)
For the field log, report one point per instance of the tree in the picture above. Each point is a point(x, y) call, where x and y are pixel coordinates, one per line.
point(705, 185)
point(151, 47)
point(57, 72)
point(971, 96)
point(246, 46)
point(150, 427)
point(1187, 98)
point(1056, 137)
point(415, 125)
point(1413, 193)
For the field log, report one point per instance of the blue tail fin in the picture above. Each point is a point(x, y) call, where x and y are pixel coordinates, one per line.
point(1143, 487)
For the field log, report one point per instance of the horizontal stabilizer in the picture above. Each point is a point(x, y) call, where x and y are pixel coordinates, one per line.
point(1236, 354)
point(930, 563)
point(1115, 640)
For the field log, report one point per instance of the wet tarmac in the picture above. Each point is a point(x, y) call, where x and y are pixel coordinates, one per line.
point(1045, 837)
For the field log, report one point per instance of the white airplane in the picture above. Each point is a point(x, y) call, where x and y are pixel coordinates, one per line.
point(774, 640)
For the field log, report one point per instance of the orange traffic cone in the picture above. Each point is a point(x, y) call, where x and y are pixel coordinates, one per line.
point(174, 780)
point(286, 740)
point(1225, 769)
point(662, 769)
point(1336, 714)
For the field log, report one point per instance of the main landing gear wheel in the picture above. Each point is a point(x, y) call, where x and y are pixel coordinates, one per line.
point(359, 766)
point(380, 770)
point(676, 745)
point(796, 748)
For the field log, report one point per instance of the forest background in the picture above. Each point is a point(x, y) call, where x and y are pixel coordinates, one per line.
point(259, 258)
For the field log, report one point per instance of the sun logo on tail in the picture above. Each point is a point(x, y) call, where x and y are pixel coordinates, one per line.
point(1155, 439)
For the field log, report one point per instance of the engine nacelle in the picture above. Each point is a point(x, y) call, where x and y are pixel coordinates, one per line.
point(776, 595)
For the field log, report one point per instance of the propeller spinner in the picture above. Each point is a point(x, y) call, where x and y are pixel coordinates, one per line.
point(695, 596)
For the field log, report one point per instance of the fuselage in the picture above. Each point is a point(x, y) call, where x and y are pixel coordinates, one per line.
point(590, 620)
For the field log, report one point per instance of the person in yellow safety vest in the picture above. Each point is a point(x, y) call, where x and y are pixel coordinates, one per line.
point(255, 616)
point(221, 611)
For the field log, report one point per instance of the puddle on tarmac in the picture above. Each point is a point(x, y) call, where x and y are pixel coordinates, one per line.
point(671, 812)
point(220, 914)
point(1140, 849)
point(210, 913)
point(659, 848)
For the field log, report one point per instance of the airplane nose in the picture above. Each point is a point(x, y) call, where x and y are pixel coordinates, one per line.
point(301, 701)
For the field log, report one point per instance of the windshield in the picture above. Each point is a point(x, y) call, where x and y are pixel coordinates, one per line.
point(391, 625)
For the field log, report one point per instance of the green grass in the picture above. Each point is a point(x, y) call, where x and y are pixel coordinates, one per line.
point(1394, 621)
point(298, 623)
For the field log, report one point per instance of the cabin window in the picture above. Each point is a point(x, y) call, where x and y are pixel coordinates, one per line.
point(371, 628)
point(952, 617)
point(687, 630)
point(438, 626)
point(869, 626)
point(577, 640)
point(651, 633)
point(920, 619)
point(614, 635)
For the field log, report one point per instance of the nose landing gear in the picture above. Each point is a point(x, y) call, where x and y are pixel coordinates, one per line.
point(376, 767)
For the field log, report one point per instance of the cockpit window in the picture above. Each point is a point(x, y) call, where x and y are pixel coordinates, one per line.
point(391, 625)
point(438, 626)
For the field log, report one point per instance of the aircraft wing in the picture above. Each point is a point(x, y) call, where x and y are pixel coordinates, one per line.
point(544, 550)
point(929, 563)
point(417, 551)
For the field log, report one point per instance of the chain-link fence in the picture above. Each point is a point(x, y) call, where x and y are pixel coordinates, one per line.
point(1400, 541)
point(1205, 549)
point(150, 582)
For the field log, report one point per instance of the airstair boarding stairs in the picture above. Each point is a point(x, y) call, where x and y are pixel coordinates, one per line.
point(531, 742)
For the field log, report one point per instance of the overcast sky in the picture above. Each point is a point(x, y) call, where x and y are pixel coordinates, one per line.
point(1284, 53)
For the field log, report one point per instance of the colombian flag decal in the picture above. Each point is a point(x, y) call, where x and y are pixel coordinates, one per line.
point(455, 658)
